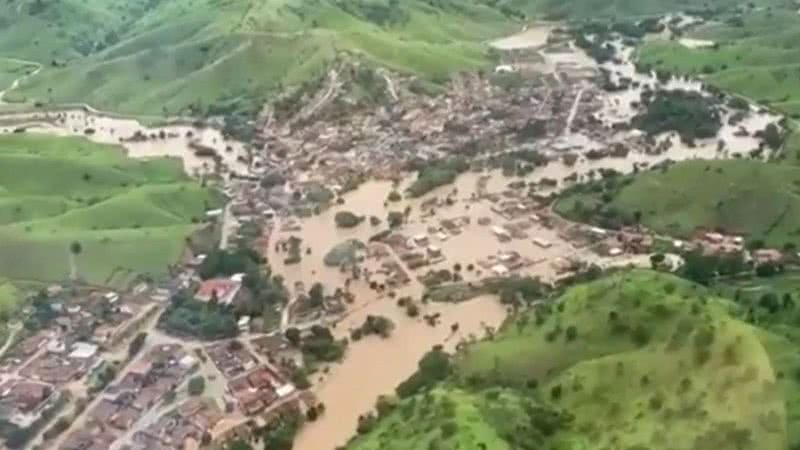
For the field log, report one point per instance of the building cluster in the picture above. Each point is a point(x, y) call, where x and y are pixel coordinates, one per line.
point(252, 386)
point(145, 383)
point(189, 425)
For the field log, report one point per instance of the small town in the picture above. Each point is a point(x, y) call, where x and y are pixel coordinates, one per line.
point(351, 237)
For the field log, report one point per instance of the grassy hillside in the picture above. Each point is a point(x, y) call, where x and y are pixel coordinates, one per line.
point(757, 200)
point(634, 360)
point(211, 56)
point(454, 418)
point(617, 9)
point(10, 70)
point(756, 56)
point(130, 216)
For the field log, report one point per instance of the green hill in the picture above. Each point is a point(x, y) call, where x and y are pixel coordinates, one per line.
point(755, 199)
point(130, 216)
point(634, 360)
point(622, 9)
point(212, 57)
point(756, 55)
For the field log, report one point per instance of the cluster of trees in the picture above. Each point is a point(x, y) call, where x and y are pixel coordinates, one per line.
point(703, 269)
point(388, 13)
point(433, 174)
point(690, 114)
point(197, 385)
point(205, 320)
point(43, 313)
point(319, 345)
point(262, 292)
point(346, 219)
point(377, 325)
point(435, 366)
point(279, 433)
point(136, 344)
point(512, 290)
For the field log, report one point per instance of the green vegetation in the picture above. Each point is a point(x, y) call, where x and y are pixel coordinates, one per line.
point(344, 253)
point(433, 174)
point(377, 325)
point(197, 385)
point(317, 346)
point(346, 219)
point(136, 344)
point(208, 58)
point(9, 300)
point(205, 320)
point(754, 55)
point(262, 294)
point(11, 70)
point(758, 200)
point(615, 9)
point(633, 348)
point(128, 216)
point(690, 114)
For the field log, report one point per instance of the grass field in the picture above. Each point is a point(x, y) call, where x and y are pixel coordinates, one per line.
point(757, 58)
point(10, 70)
point(9, 300)
point(210, 56)
point(620, 9)
point(754, 199)
point(654, 361)
point(634, 360)
point(130, 216)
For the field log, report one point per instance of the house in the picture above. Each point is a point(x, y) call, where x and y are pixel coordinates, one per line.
point(223, 289)
point(244, 324)
point(83, 350)
point(501, 233)
point(500, 270)
point(767, 255)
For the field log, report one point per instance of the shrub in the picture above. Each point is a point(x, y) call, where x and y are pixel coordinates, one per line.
point(197, 385)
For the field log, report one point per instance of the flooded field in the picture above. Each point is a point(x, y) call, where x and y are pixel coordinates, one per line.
point(532, 37)
point(176, 141)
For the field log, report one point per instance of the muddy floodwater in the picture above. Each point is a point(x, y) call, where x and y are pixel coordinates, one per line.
point(374, 366)
point(139, 141)
point(531, 37)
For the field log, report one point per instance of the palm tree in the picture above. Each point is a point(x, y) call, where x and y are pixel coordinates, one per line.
point(75, 249)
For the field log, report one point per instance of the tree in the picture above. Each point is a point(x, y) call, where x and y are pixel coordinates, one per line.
point(136, 344)
point(197, 385)
point(656, 260)
point(346, 219)
point(772, 136)
point(316, 295)
point(395, 219)
point(293, 336)
point(394, 196)
point(770, 302)
point(238, 444)
point(75, 249)
point(572, 333)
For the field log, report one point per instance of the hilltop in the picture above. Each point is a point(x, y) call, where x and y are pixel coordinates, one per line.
point(633, 360)
point(211, 57)
point(758, 200)
point(129, 216)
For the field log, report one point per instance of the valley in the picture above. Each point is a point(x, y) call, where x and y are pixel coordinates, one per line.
point(373, 225)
